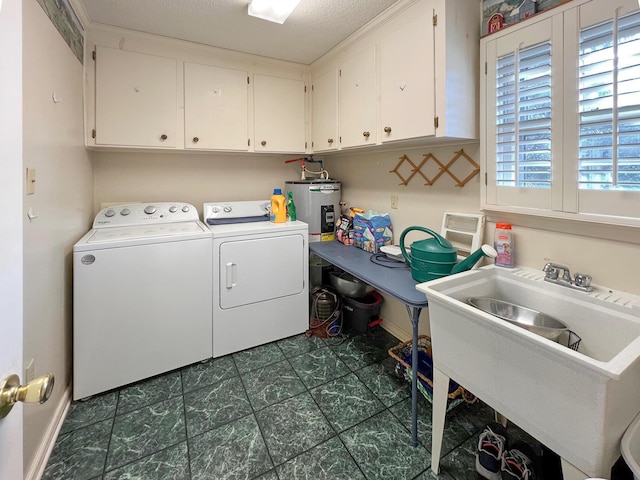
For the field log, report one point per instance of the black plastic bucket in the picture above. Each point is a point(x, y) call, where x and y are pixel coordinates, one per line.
point(358, 312)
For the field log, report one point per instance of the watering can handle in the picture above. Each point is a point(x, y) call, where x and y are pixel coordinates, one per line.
point(435, 235)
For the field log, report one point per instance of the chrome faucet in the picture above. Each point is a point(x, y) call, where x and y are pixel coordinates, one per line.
point(580, 281)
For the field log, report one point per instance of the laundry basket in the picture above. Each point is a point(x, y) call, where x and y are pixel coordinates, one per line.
point(402, 354)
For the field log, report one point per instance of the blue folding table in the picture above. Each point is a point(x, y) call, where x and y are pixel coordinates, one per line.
point(395, 282)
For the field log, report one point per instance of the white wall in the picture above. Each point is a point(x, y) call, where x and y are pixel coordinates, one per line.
point(367, 184)
point(53, 144)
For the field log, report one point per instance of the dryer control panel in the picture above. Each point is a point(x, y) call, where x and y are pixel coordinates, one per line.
point(145, 214)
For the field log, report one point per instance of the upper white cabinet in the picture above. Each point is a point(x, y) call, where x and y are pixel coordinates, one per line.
point(279, 114)
point(136, 99)
point(407, 81)
point(324, 120)
point(215, 108)
point(411, 76)
point(358, 92)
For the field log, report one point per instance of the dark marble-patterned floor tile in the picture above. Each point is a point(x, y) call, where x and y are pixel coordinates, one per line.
point(382, 448)
point(92, 410)
point(318, 367)
point(459, 463)
point(207, 373)
point(270, 475)
point(381, 379)
point(359, 351)
point(258, 357)
point(80, 454)
point(346, 401)
point(145, 431)
point(272, 384)
point(327, 461)
point(461, 422)
point(299, 344)
point(292, 427)
point(234, 451)
point(149, 391)
point(215, 405)
point(169, 464)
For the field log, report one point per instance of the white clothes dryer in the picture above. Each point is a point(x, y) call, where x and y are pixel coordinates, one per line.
point(260, 276)
point(142, 295)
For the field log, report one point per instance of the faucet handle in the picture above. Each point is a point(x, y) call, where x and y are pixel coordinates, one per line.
point(582, 280)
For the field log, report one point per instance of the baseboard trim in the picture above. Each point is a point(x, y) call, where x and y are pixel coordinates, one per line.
point(396, 331)
point(36, 469)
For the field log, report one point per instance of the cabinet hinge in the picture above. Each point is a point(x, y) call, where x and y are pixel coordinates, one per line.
point(340, 72)
point(485, 178)
point(248, 81)
point(485, 68)
point(435, 122)
point(305, 89)
point(305, 145)
point(93, 54)
point(248, 142)
point(435, 20)
point(312, 88)
point(93, 133)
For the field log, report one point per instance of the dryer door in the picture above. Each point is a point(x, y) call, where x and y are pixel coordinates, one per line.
point(256, 270)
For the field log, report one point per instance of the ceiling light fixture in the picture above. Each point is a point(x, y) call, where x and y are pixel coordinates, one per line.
point(275, 11)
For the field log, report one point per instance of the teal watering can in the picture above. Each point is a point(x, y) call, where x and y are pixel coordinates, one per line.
point(435, 257)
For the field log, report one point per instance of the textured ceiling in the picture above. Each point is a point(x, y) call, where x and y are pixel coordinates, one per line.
point(314, 27)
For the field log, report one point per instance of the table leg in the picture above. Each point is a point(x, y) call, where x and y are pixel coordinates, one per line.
point(415, 316)
point(439, 411)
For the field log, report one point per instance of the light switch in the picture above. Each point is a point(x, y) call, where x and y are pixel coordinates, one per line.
point(31, 181)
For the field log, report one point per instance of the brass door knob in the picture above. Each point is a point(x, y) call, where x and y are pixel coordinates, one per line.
point(196, 139)
point(37, 390)
point(330, 140)
point(387, 129)
point(163, 137)
point(365, 134)
point(263, 143)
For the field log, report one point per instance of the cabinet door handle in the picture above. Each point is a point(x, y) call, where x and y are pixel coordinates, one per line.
point(263, 143)
point(231, 275)
point(365, 134)
point(387, 129)
point(330, 140)
point(196, 139)
point(163, 136)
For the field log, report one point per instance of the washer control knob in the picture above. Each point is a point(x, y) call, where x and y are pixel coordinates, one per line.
point(215, 209)
point(173, 209)
point(185, 209)
point(227, 209)
point(124, 212)
point(109, 213)
point(150, 210)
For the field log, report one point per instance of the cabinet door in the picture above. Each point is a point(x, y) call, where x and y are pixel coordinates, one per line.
point(407, 76)
point(136, 99)
point(215, 108)
point(324, 120)
point(278, 114)
point(358, 99)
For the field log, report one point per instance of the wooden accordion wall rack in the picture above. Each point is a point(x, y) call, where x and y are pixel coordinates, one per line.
point(416, 169)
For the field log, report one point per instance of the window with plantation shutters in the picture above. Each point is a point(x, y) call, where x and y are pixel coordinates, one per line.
point(561, 119)
point(523, 117)
point(609, 105)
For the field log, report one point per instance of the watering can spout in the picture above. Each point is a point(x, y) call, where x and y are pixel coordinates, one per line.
point(469, 262)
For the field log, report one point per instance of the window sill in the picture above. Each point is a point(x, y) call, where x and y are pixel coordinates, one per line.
point(622, 229)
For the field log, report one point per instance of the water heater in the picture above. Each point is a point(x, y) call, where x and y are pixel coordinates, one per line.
point(318, 205)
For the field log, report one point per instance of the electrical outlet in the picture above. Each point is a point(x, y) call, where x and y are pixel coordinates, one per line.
point(30, 371)
point(394, 201)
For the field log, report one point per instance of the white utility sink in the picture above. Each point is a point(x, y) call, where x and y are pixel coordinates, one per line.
point(577, 403)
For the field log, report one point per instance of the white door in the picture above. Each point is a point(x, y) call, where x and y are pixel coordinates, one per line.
point(11, 229)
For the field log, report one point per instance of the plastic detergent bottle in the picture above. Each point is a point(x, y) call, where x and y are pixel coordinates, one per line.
point(291, 207)
point(503, 243)
point(278, 207)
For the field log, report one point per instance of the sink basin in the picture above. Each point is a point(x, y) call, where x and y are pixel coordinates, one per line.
point(577, 403)
point(532, 320)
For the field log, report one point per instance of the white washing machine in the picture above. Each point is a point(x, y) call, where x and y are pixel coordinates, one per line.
point(142, 295)
point(260, 276)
